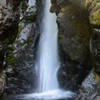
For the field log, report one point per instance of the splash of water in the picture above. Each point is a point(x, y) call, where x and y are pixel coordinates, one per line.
point(49, 95)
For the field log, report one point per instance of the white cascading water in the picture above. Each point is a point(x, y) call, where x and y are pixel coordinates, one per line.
point(48, 52)
point(47, 61)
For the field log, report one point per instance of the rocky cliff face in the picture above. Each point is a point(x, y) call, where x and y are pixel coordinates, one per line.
point(93, 6)
point(10, 12)
point(21, 53)
point(74, 37)
point(79, 43)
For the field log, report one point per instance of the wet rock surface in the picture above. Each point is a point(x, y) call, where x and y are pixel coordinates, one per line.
point(10, 12)
point(19, 38)
point(90, 89)
point(19, 74)
point(79, 45)
point(74, 36)
point(23, 50)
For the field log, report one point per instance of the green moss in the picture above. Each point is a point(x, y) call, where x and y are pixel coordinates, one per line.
point(32, 7)
point(11, 59)
point(26, 21)
point(10, 55)
point(97, 76)
point(11, 47)
point(93, 7)
point(87, 3)
point(98, 5)
point(19, 30)
point(95, 18)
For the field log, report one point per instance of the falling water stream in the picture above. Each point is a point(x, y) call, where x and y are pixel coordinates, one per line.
point(48, 53)
point(48, 61)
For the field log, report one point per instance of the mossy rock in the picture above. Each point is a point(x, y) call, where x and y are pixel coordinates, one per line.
point(87, 3)
point(74, 38)
point(75, 32)
point(97, 76)
point(93, 7)
point(19, 30)
point(10, 59)
point(30, 15)
point(95, 18)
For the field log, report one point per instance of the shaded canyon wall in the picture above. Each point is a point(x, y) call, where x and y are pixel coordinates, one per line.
point(79, 45)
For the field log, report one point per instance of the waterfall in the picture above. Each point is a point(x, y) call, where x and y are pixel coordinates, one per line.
point(48, 52)
point(47, 63)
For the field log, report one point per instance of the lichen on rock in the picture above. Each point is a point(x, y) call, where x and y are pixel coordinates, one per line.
point(93, 7)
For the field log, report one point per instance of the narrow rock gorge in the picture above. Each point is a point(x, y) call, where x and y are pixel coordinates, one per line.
point(78, 24)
